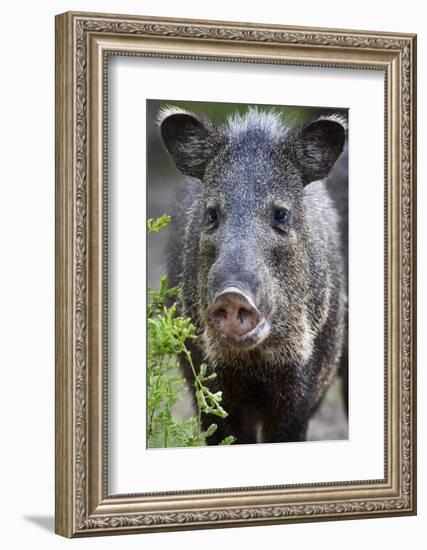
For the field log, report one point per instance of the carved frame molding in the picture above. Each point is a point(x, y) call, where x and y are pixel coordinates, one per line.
point(83, 43)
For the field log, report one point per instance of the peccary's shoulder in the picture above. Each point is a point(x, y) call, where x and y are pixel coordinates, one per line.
point(322, 217)
point(326, 268)
point(183, 244)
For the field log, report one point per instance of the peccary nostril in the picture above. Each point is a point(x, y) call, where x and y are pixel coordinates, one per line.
point(232, 314)
point(245, 316)
point(241, 315)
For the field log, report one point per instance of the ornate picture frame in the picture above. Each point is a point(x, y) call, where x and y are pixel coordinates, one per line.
point(84, 42)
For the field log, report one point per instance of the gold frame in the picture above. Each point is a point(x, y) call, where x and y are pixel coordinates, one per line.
point(83, 43)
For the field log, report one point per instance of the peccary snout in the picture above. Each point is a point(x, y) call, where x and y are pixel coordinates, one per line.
point(234, 314)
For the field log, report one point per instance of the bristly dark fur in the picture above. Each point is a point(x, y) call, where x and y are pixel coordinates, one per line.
point(299, 276)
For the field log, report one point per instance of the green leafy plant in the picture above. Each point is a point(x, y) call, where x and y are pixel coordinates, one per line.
point(168, 334)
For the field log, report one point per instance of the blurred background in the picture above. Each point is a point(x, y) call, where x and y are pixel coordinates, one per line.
point(330, 421)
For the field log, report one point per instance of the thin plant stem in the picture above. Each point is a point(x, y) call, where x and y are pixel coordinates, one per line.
point(196, 382)
point(150, 426)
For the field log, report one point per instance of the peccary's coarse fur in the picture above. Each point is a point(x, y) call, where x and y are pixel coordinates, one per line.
point(255, 216)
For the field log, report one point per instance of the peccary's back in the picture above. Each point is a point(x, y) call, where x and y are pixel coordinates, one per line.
point(326, 263)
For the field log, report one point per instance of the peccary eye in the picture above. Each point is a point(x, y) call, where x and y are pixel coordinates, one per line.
point(281, 215)
point(211, 217)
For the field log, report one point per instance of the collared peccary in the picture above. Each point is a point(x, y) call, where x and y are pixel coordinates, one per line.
point(257, 250)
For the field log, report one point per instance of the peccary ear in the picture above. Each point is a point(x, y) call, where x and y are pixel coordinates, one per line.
point(317, 146)
point(191, 141)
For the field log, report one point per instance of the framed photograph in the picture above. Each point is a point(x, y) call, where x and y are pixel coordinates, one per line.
point(235, 274)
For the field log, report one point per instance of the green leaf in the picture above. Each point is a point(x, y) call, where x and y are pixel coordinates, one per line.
point(156, 225)
point(228, 440)
point(210, 431)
